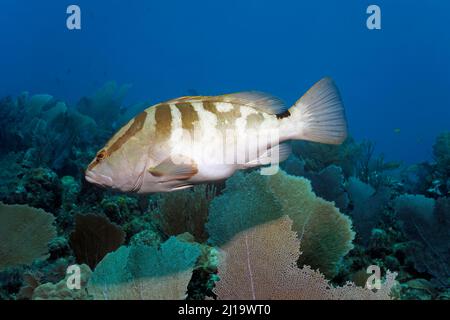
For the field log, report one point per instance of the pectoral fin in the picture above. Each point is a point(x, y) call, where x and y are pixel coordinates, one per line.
point(182, 169)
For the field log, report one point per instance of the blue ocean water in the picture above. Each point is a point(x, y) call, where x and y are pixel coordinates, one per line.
point(394, 81)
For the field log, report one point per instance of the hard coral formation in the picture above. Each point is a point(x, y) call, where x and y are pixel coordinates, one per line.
point(37, 187)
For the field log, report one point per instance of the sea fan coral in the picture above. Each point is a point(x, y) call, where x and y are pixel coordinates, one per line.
point(94, 236)
point(245, 202)
point(368, 206)
point(185, 211)
point(24, 234)
point(427, 222)
point(260, 263)
point(325, 233)
point(145, 273)
point(253, 199)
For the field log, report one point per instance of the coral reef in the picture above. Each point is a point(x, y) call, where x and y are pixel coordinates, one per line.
point(348, 208)
point(37, 187)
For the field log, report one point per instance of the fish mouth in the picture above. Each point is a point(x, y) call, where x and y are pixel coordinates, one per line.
point(98, 179)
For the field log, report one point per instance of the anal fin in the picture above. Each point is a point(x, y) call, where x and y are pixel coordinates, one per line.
point(182, 187)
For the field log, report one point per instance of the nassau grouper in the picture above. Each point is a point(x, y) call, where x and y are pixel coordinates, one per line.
point(197, 139)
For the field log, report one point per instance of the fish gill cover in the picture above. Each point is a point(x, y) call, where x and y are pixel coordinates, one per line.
point(308, 232)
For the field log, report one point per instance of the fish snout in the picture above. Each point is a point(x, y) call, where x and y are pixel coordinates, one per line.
point(99, 179)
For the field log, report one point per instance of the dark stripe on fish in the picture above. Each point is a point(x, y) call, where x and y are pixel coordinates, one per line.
point(135, 127)
point(163, 122)
point(210, 106)
point(188, 115)
point(225, 120)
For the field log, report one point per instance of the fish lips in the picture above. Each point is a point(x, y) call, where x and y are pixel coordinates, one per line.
point(98, 179)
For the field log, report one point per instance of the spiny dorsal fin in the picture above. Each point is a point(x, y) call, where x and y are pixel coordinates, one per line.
point(259, 100)
point(185, 99)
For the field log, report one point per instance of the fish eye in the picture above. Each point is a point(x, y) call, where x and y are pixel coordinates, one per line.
point(101, 155)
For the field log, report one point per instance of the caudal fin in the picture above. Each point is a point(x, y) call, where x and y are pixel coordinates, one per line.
point(319, 115)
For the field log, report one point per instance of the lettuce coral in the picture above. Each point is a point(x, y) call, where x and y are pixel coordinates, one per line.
point(24, 234)
point(260, 263)
point(145, 273)
point(253, 199)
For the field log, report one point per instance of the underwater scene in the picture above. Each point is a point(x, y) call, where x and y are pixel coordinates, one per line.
point(224, 150)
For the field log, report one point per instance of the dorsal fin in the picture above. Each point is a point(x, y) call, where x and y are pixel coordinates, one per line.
point(259, 100)
point(184, 98)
